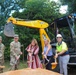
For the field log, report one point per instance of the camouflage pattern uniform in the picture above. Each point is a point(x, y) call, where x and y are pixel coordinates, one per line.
point(14, 53)
point(1, 55)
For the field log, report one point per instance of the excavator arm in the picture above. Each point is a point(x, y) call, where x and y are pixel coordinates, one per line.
point(41, 25)
point(33, 24)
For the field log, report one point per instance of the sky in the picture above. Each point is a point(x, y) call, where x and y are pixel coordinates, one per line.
point(63, 9)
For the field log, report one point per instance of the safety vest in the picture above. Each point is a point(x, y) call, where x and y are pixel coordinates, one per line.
point(61, 47)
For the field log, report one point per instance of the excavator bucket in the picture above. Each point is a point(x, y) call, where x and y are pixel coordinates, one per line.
point(9, 30)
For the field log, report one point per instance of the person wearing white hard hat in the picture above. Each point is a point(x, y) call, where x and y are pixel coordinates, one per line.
point(63, 54)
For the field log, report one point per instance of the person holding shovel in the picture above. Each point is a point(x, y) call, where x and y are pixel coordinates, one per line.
point(48, 54)
point(15, 53)
point(33, 60)
point(63, 54)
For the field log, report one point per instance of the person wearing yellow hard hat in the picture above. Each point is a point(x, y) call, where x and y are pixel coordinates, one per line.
point(63, 54)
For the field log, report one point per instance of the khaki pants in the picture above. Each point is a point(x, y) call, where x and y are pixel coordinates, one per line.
point(1, 64)
point(63, 61)
point(14, 64)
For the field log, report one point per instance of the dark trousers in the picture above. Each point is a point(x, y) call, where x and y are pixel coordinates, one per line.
point(48, 64)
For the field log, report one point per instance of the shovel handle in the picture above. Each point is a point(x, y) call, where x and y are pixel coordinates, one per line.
point(55, 58)
point(47, 59)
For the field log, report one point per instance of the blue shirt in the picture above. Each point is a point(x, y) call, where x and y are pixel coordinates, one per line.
point(50, 53)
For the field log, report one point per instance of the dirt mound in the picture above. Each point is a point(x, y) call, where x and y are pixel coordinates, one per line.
point(30, 72)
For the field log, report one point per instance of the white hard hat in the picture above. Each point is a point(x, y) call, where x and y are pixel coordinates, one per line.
point(59, 35)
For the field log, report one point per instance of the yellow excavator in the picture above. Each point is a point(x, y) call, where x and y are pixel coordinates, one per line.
point(65, 25)
point(38, 24)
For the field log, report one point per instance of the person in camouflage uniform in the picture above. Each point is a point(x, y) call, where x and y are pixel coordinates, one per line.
point(1, 54)
point(15, 53)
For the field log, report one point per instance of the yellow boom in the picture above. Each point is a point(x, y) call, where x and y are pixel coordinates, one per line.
point(33, 24)
point(41, 25)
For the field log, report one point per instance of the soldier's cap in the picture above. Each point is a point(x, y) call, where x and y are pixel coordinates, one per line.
point(1, 37)
point(16, 36)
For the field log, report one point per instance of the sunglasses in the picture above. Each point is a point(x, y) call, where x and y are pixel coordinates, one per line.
point(59, 37)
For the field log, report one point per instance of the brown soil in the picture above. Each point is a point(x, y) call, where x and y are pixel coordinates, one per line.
point(30, 72)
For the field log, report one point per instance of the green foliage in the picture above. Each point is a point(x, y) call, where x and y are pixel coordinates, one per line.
point(6, 42)
point(39, 9)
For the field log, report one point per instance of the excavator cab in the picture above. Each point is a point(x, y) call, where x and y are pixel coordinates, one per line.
point(67, 27)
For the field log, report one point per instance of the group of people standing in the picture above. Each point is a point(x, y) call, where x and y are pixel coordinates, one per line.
point(33, 59)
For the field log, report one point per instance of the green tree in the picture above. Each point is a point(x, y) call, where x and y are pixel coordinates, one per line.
point(39, 9)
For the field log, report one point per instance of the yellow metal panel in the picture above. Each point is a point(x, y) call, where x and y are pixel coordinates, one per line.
point(43, 36)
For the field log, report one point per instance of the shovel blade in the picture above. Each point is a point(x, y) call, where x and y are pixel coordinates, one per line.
point(9, 30)
point(54, 65)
